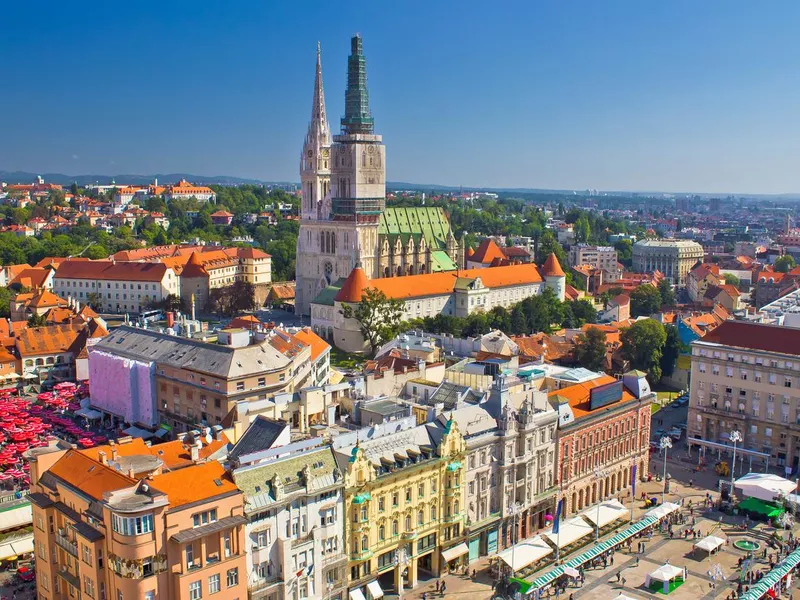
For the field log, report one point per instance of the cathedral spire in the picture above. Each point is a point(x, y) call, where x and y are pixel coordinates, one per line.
point(357, 117)
point(318, 129)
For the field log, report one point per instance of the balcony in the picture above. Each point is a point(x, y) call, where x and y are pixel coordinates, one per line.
point(257, 589)
point(66, 544)
point(303, 539)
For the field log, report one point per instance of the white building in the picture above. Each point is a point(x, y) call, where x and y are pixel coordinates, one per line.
point(294, 534)
point(116, 287)
point(674, 258)
point(428, 295)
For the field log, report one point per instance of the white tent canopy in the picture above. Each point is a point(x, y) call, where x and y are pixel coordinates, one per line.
point(608, 511)
point(570, 531)
point(710, 543)
point(526, 553)
point(659, 512)
point(665, 573)
point(764, 486)
point(623, 597)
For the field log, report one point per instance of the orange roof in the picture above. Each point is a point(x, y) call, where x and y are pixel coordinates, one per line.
point(173, 454)
point(436, 284)
point(54, 261)
point(111, 270)
point(532, 346)
point(44, 299)
point(89, 476)
point(245, 322)
point(309, 338)
point(283, 292)
point(487, 252)
point(470, 252)
point(286, 343)
point(51, 339)
point(551, 267)
point(59, 315)
point(32, 277)
point(194, 267)
point(13, 270)
point(578, 396)
point(732, 291)
point(354, 286)
point(221, 213)
point(195, 483)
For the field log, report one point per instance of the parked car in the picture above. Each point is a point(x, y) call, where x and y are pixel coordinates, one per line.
point(675, 433)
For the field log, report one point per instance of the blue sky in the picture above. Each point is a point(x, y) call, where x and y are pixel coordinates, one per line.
point(679, 95)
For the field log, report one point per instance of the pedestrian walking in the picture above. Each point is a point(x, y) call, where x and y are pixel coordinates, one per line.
point(624, 581)
point(618, 576)
point(437, 586)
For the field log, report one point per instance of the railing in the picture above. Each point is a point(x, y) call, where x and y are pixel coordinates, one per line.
point(263, 583)
point(67, 544)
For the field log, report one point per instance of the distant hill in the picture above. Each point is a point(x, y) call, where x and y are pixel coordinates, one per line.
point(61, 179)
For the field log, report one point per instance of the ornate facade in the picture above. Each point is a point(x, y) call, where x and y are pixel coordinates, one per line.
point(343, 217)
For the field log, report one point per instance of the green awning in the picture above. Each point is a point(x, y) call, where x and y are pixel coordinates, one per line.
point(593, 552)
point(361, 498)
point(774, 576)
point(524, 586)
point(454, 466)
point(761, 507)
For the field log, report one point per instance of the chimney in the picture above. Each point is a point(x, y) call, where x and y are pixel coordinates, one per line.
point(131, 473)
point(103, 457)
point(195, 453)
point(113, 453)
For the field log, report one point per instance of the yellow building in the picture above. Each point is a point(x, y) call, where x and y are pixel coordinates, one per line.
point(404, 500)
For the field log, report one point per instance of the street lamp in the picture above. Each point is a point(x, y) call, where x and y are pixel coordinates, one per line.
point(514, 510)
point(665, 444)
point(402, 562)
point(735, 437)
point(599, 474)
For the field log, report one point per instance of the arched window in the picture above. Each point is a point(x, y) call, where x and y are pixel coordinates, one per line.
point(364, 544)
point(394, 527)
point(381, 533)
point(420, 518)
point(355, 515)
point(408, 522)
point(433, 512)
point(455, 507)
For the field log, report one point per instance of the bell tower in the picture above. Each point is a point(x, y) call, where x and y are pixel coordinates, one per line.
point(315, 172)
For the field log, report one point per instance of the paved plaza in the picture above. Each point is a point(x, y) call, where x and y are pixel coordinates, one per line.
point(602, 583)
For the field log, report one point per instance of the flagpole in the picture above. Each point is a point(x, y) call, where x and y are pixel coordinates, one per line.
point(557, 522)
point(633, 486)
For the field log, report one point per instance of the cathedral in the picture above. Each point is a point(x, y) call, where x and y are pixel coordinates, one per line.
point(344, 221)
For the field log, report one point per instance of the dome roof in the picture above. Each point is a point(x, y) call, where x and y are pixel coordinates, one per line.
point(354, 286)
point(551, 267)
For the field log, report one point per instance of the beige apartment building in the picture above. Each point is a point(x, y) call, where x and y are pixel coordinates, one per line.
point(673, 258)
point(746, 377)
point(130, 521)
point(151, 378)
point(600, 257)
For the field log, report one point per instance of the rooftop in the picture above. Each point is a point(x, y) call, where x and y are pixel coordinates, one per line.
point(755, 336)
point(578, 396)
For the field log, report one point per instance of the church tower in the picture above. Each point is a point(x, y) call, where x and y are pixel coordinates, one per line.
point(344, 189)
point(315, 172)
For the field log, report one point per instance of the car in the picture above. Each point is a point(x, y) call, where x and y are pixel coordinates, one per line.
point(675, 433)
point(659, 433)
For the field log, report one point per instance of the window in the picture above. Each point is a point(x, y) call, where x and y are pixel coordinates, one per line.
point(204, 518)
point(240, 386)
point(233, 577)
point(195, 590)
point(189, 556)
point(132, 525)
point(214, 584)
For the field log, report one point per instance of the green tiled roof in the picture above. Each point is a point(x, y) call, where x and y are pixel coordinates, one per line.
point(427, 221)
point(441, 261)
point(327, 295)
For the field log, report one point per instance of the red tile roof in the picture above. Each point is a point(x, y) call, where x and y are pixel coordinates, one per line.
point(487, 252)
point(110, 270)
point(578, 395)
point(309, 338)
point(52, 339)
point(89, 476)
point(354, 286)
point(756, 336)
point(551, 267)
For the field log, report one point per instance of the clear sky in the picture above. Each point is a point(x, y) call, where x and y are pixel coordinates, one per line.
point(683, 95)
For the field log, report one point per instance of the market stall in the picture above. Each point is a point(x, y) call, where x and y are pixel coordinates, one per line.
point(665, 578)
point(710, 544)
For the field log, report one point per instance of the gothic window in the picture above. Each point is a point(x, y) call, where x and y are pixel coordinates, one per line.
point(328, 271)
point(363, 159)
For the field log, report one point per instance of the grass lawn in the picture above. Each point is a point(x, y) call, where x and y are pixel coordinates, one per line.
point(657, 587)
point(345, 360)
point(654, 408)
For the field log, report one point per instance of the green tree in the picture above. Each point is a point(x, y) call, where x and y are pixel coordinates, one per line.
point(584, 311)
point(642, 345)
point(582, 229)
point(5, 302)
point(732, 279)
point(784, 264)
point(379, 317)
point(232, 299)
point(666, 292)
point(591, 350)
point(624, 250)
point(645, 300)
point(519, 324)
point(37, 320)
point(672, 349)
